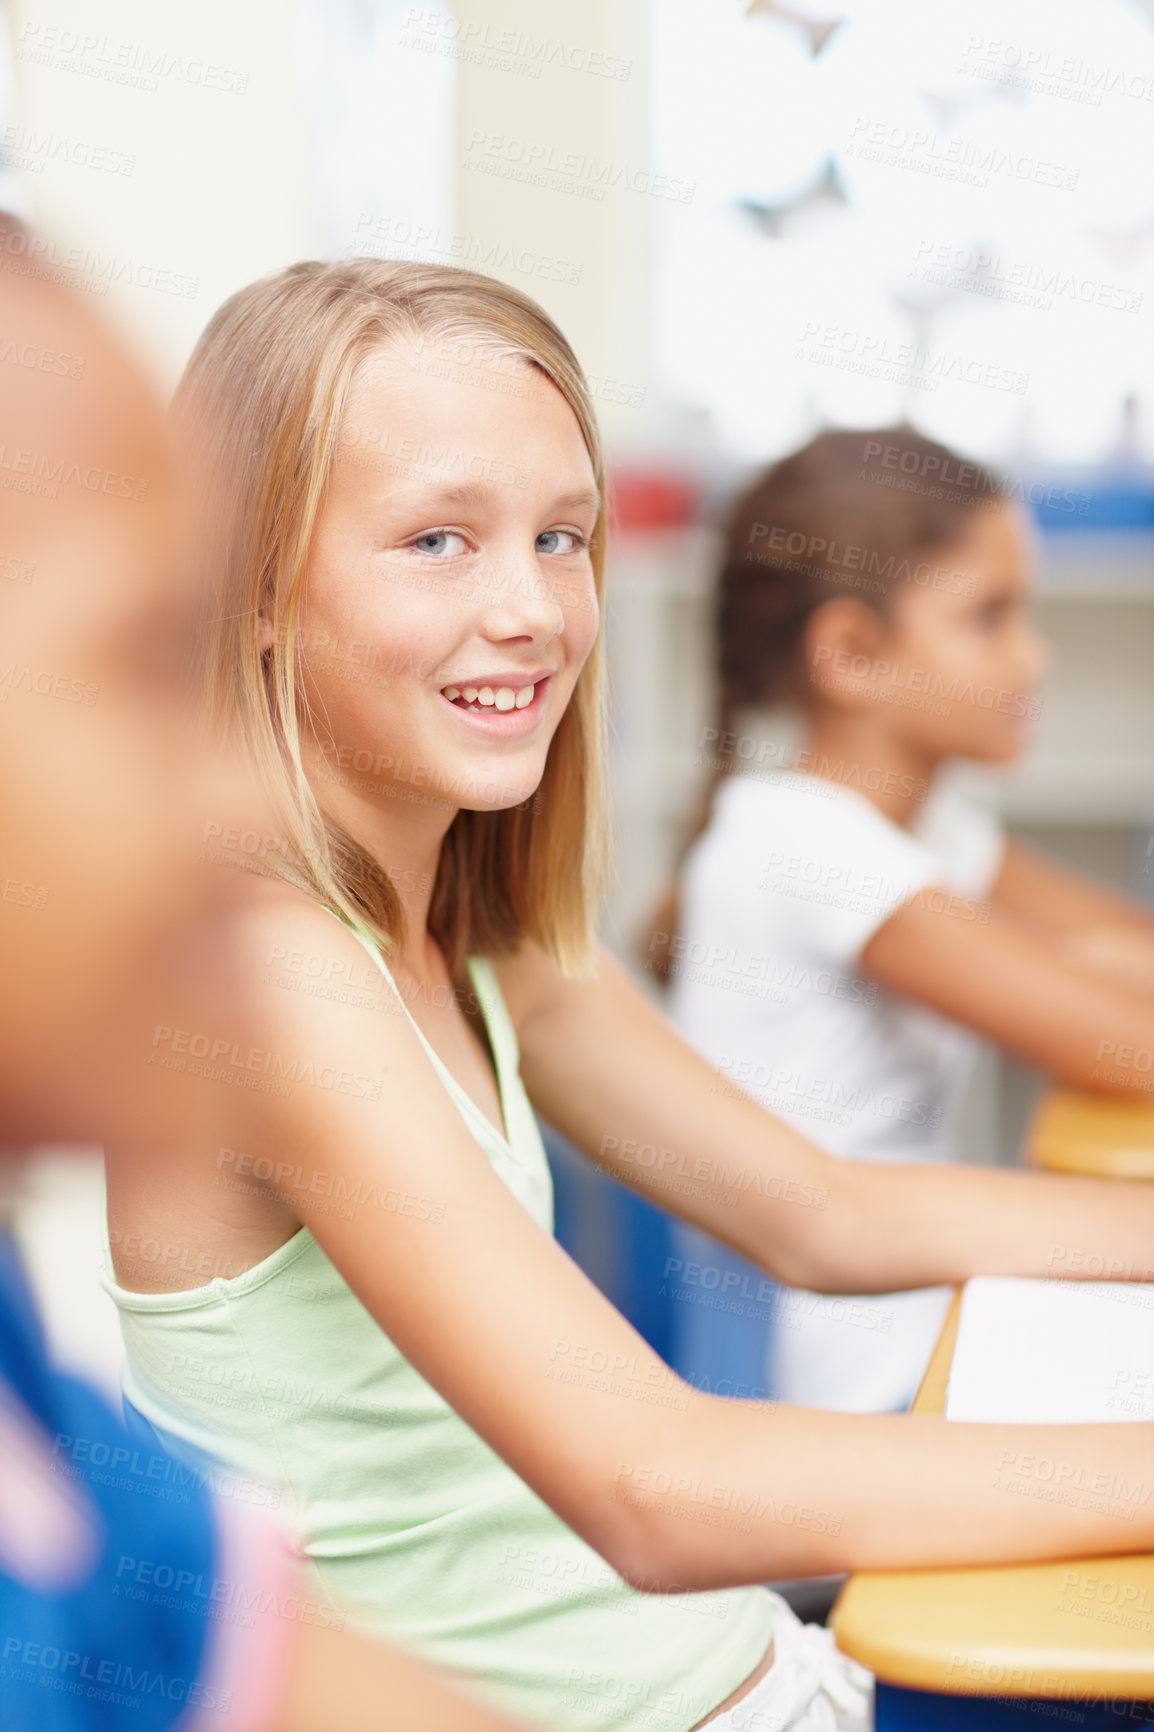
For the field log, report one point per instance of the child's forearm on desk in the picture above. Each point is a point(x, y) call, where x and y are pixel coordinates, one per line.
point(891, 1227)
point(747, 1491)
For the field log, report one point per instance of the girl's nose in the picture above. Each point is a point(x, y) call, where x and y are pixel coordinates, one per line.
point(522, 604)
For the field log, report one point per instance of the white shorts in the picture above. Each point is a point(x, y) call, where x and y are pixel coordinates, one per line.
point(811, 1686)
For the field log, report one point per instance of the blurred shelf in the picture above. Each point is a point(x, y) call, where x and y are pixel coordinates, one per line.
point(1089, 566)
point(664, 562)
point(1081, 788)
point(1082, 566)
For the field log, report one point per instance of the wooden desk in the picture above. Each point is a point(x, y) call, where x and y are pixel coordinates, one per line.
point(1062, 1631)
point(1105, 1136)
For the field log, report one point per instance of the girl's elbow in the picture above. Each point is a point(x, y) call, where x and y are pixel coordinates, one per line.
point(826, 1234)
point(812, 1269)
point(663, 1561)
point(653, 1559)
point(647, 1546)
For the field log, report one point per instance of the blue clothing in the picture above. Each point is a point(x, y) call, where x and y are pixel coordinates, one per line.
point(95, 1652)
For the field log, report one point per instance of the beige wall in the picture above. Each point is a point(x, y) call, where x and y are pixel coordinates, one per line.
point(221, 184)
point(576, 123)
point(219, 188)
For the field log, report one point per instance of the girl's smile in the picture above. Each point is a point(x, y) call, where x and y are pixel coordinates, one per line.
point(503, 706)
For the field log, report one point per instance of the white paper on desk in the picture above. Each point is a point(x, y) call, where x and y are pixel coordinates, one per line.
point(1053, 1352)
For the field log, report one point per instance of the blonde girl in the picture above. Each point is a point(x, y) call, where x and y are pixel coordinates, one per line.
point(363, 1298)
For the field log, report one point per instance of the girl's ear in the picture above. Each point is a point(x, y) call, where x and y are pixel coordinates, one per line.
point(842, 648)
point(265, 635)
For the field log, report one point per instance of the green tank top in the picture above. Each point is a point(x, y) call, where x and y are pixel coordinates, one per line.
point(407, 1516)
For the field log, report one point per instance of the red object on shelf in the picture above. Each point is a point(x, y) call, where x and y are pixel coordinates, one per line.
point(653, 499)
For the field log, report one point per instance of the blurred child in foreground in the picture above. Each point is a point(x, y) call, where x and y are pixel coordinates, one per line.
point(133, 1593)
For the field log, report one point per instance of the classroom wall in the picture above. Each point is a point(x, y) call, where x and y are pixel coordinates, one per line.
point(202, 110)
point(561, 95)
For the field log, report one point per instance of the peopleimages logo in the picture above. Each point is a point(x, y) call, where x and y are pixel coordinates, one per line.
point(83, 268)
point(572, 171)
point(878, 357)
point(305, 1185)
point(43, 466)
point(820, 557)
point(157, 1476)
point(969, 161)
point(1028, 282)
point(948, 478)
point(113, 60)
point(100, 1679)
point(218, 1591)
point(507, 50)
point(226, 1061)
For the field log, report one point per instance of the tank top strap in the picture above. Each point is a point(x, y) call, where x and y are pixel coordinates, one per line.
point(490, 1001)
point(495, 1012)
point(502, 1039)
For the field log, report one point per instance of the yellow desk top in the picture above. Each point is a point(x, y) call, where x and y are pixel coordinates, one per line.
point(1105, 1136)
point(1071, 1629)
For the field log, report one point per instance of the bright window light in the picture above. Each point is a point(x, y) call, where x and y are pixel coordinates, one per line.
point(945, 214)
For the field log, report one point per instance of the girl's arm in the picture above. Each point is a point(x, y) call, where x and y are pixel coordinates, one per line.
point(1049, 895)
point(674, 1488)
point(1013, 982)
point(607, 1069)
point(1093, 927)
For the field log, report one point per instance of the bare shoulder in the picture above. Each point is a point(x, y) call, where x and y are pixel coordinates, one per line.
point(306, 981)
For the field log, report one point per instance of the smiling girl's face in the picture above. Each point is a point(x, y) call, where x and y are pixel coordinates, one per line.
point(449, 600)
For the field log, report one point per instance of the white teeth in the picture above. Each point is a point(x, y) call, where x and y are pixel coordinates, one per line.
point(491, 697)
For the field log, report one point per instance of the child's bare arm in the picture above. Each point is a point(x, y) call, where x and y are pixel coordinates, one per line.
point(1053, 897)
point(676, 1489)
point(1096, 928)
point(1014, 983)
point(607, 1069)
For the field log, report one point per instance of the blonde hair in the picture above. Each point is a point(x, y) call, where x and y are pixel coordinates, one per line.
point(261, 405)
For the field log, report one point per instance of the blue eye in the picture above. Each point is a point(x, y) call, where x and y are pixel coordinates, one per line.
point(552, 535)
point(435, 543)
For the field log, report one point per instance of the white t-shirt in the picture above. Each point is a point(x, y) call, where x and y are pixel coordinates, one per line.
point(779, 898)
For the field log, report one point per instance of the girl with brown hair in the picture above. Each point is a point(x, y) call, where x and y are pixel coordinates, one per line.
point(850, 923)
